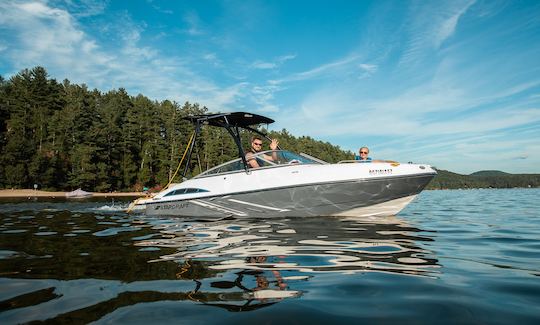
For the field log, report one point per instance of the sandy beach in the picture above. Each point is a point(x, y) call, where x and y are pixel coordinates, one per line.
point(34, 193)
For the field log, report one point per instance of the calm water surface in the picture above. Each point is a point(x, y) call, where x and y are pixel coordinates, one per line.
point(471, 257)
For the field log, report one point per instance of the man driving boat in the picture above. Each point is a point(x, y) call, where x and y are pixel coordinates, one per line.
point(256, 147)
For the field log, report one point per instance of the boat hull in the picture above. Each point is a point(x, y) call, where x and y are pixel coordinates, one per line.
point(361, 197)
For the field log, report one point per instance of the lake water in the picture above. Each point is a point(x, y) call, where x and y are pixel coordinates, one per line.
point(468, 257)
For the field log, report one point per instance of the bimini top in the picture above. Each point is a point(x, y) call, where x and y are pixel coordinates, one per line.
point(234, 119)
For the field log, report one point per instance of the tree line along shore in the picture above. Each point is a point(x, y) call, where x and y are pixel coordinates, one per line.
point(63, 136)
point(483, 179)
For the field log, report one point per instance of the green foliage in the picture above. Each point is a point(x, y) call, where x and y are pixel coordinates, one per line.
point(65, 136)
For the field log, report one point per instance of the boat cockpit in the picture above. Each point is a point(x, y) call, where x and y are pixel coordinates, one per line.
point(279, 158)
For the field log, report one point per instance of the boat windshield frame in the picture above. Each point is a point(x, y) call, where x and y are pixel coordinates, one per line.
point(281, 158)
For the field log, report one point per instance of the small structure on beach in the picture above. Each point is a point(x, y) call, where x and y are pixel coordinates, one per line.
point(78, 194)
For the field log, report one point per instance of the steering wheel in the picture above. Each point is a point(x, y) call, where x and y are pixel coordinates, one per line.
point(294, 161)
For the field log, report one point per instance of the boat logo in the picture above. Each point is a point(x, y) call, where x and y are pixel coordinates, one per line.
point(171, 206)
point(380, 171)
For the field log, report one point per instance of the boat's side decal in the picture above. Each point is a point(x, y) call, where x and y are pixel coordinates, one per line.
point(259, 205)
point(219, 208)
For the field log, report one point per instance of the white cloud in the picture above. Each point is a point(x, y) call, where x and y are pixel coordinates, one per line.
point(492, 120)
point(52, 37)
point(448, 25)
point(193, 24)
point(370, 68)
point(466, 152)
point(286, 57)
point(82, 8)
point(48, 36)
point(408, 115)
point(213, 59)
point(428, 26)
point(259, 64)
point(159, 8)
point(328, 69)
point(263, 65)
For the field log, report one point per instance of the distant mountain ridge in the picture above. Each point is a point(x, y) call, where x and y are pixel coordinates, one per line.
point(489, 173)
point(483, 179)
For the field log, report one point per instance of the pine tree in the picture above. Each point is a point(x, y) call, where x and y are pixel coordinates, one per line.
point(19, 147)
point(74, 137)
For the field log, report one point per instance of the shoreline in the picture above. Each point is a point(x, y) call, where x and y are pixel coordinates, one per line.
point(17, 193)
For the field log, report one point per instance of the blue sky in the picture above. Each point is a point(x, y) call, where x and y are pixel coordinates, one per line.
point(455, 84)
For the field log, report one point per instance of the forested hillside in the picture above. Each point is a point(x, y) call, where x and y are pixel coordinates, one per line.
point(64, 136)
point(484, 179)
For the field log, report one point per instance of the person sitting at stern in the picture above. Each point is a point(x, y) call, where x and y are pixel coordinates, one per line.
point(363, 155)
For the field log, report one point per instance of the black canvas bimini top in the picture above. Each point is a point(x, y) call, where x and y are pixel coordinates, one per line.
point(235, 119)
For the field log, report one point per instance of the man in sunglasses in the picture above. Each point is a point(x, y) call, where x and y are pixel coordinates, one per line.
point(256, 147)
point(363, 157)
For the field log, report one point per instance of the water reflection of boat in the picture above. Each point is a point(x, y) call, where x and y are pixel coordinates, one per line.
point(259, 264)
point(264, 291)
point(289, 184)
point(294, 244)
point(236, 264)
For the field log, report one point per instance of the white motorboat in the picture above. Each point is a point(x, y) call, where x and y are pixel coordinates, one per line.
point(290, 184)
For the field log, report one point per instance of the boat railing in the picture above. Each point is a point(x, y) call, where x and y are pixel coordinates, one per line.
point(281, 157)
point(305, 155)
point(349, 161)
point(229, 166)
point(368, 161)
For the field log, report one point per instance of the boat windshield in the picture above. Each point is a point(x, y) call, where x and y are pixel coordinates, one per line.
point(279, 158)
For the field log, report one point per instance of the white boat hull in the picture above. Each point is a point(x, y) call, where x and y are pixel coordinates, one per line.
point(379, 189)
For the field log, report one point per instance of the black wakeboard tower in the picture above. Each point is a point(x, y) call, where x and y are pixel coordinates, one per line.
point(233, 123)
